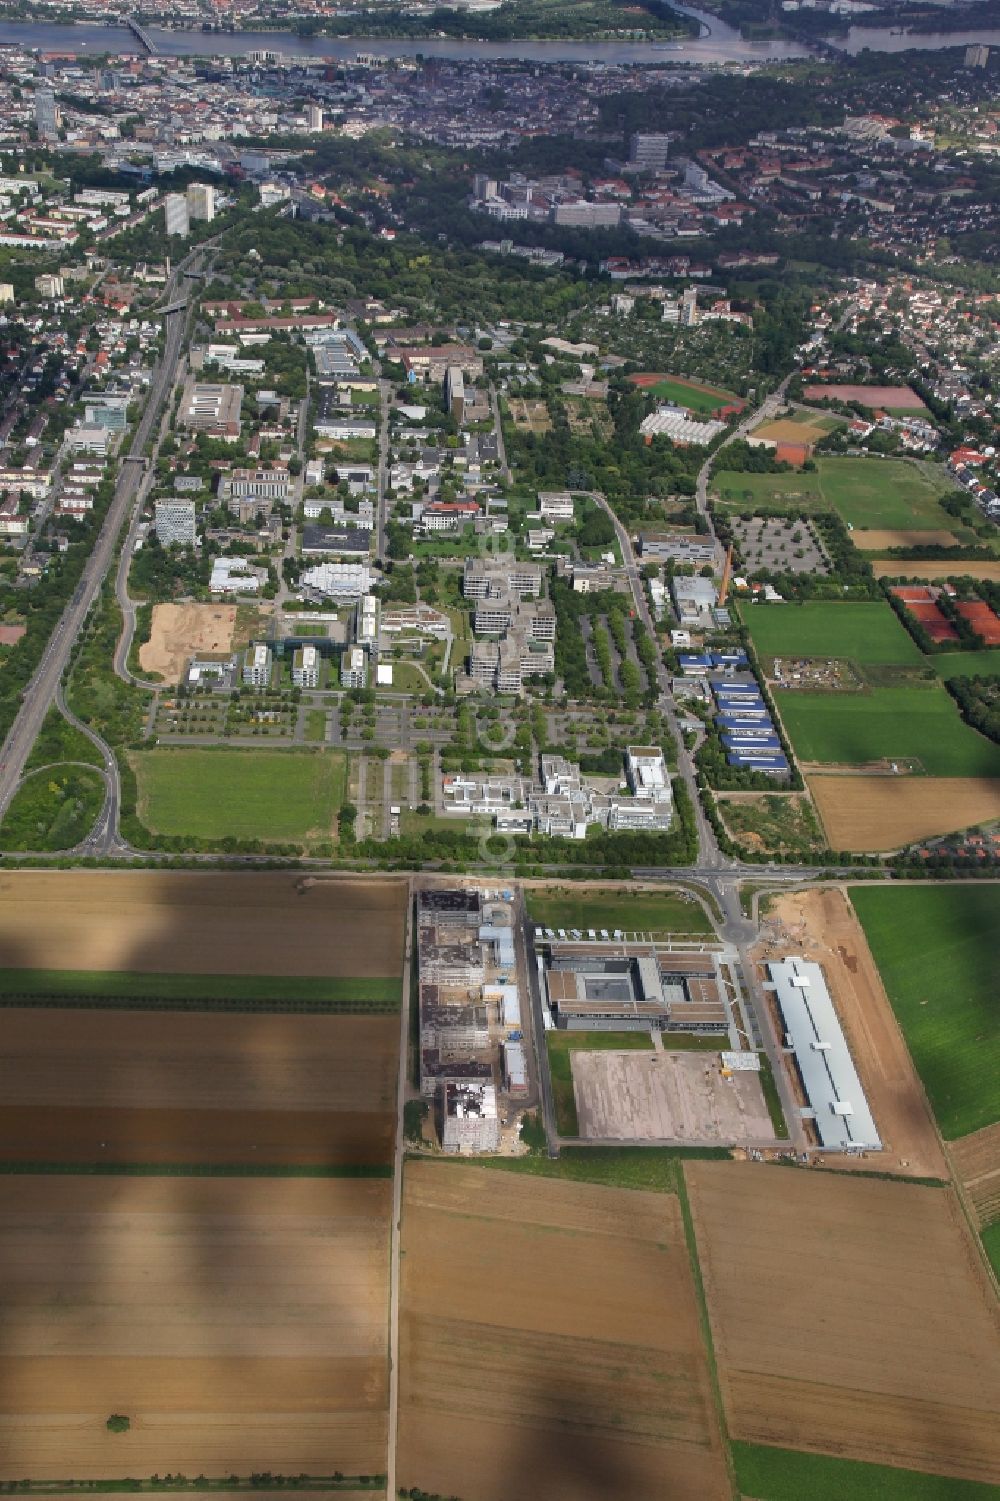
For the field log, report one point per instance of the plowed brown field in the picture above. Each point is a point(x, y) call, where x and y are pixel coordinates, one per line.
point(901, 568)
point(550, 1343)
point(239, 1323)
point(977, 1163)
point(182, 923)
point(873, 539)
point(850, 1317)
point(821, 925)
point(886, 812)
point(145, 1086)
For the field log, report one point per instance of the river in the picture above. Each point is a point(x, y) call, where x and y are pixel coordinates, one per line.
point(719, 43)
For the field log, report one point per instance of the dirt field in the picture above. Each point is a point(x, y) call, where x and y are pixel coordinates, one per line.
point(977, 1163)
point(181, 923)
point(550, 1343)
point(181, 631)
point(886, 812)
point(784, 430)
point(900, 398)
point(239, 1323)
point(667, 1097)
point(532, 416)
point(821, 925)
point(850, 1317)
point(900, 568)
point(873, 540)
point(145, 1086)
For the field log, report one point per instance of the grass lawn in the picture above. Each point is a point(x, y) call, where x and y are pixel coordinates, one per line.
point(935, 947)
point(991, 1241)
point(137, 988)
point(695, 398)
point(853, 729)
point(561, 1047)
point(654, 1169)
point(53, 809)
point(967, 664)
point(800, 492)
point(861, 632)
point(274, 796)
point(786, 1475)
point(631, 911)
point(887, 494)
point(316, 724)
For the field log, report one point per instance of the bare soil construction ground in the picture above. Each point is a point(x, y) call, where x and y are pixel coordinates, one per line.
point(239, 1323)
point(155, 1087)
point(977, 1163)
point(821, 925)
point(183, 923)
point(181, 631)
point(850, 1317)
point(668, 1096)
point(550, 1343)
point(866, 812)
point(874, 539)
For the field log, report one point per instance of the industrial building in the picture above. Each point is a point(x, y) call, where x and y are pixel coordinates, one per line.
point(469, 1011)
point(838, 1107)
point(628, 985)
point(470, 1122)
point(210, 408)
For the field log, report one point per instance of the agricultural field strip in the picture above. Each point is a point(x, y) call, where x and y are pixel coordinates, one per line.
point(178, 922)
point(880, 812)
point(935, 947)
point(977, 1162)
point(240, 1322)
point(859, 632)
point(569, 1350)
point(853, 1342)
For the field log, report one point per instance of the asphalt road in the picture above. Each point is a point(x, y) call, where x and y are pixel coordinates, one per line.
point(42, 690)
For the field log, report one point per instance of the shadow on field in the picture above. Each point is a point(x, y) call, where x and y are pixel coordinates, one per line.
point(237, 1318)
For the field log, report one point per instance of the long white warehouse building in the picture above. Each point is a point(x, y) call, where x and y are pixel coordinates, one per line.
point(842, 1117)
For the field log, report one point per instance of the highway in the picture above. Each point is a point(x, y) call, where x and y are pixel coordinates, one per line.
point(44, 688)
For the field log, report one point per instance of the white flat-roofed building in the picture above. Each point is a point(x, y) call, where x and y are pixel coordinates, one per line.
point(257, 665)
point(647, 771)
point(840, 1110)
point(676, 424)
point(305, 667)
point(354, 668)
point(233, 576)
point(339, 580)
point(515, 1069)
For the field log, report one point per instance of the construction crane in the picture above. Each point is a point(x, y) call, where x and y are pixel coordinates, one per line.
point(727, 574)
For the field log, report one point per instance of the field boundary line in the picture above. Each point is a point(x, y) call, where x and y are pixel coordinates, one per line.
point(399, 1153)
point(705, 1323)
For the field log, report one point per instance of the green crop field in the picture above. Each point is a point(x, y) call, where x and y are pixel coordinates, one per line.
point(897, 724)
point(935, 947)
point(631, 911)
point(275, 796)
point(786, 1475)
point(866, 632)
point(886, 494)
point(140, 989)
